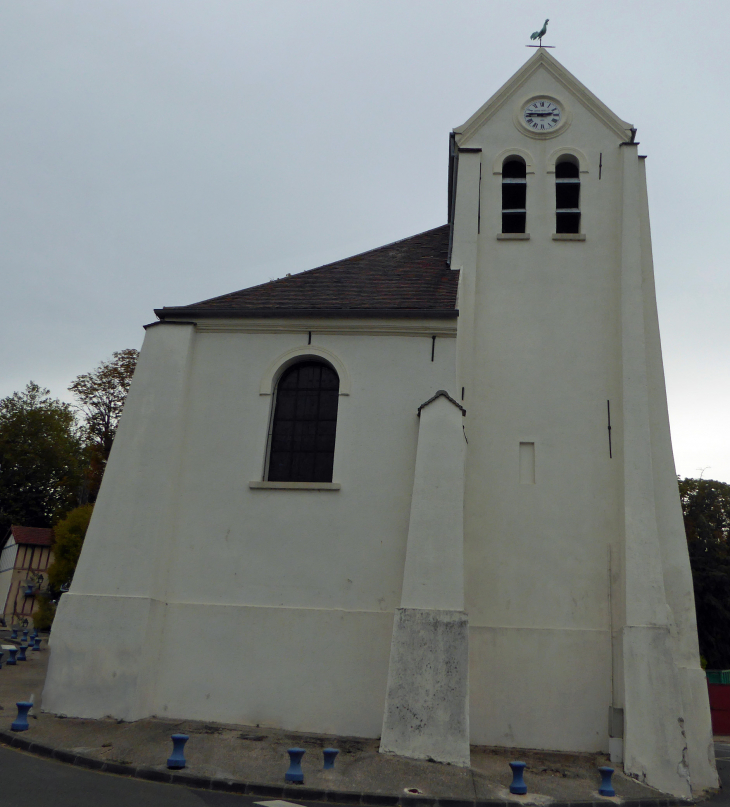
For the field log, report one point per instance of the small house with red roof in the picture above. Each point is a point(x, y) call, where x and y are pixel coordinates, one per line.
point(24, 562)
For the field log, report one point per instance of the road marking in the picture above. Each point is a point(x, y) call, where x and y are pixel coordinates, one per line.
point(277, 803)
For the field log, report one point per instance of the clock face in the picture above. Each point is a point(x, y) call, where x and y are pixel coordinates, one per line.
point(542, 115)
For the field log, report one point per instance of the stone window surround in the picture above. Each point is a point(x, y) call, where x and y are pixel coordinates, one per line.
point(266, 485)
point(555, 236)
point(530, 169)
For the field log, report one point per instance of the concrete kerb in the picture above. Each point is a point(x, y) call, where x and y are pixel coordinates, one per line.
point(138, 749)
point(295, 792)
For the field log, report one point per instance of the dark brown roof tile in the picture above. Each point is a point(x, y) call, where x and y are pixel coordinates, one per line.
point(408, 275)
point(37, 536)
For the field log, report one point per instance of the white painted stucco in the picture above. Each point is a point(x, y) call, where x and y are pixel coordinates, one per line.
point(434, 569)
point(427, 696)
point(300, 584)
point(225, 602)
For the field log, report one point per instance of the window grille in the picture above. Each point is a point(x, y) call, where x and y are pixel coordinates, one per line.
point(304, 424)
point(514, 196)
point(567, 198)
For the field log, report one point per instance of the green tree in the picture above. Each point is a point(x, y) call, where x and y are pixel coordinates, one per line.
point(706, 508)
point(41, 458)
point(69, 533)
point(101, 395)
point(44, 613)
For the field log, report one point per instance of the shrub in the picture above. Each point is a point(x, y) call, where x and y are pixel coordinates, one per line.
point(43, 615)
point(70, 533)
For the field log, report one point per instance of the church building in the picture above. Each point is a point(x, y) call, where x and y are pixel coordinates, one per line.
point(425, 493)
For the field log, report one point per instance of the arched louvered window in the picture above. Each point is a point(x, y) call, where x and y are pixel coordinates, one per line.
point(302, 443)
point(514, 195)
point(567, 196)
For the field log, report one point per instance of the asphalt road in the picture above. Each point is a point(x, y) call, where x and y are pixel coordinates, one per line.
point(722, 757)
point(30, 781)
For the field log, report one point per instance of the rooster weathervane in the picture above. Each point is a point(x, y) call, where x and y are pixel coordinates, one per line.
point(539, 35)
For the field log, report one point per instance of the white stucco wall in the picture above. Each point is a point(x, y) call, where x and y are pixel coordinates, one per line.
point(545, 359)
point(286, 585)
point(305, 549)
point(433, 577)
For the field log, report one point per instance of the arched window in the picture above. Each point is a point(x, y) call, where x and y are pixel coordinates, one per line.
point(514, 195)
point(567, 196)
point(302, 444)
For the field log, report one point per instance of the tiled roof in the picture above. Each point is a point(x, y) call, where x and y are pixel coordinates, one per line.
point(407, 278)
point(37, 536)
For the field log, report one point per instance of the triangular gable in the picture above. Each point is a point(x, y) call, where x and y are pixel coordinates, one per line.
point(542, 60)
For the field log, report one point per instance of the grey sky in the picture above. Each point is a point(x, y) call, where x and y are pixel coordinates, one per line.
point(159, 152)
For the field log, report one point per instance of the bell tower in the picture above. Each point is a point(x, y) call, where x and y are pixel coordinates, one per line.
point(582, 631)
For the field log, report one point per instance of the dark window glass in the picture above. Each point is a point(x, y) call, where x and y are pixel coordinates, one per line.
point(513, 222)
point(514, 169)
point(305, 422)
point(567, 195)
point(514, 196)
point(567, 198)
point(566, 171)
point(567, 223)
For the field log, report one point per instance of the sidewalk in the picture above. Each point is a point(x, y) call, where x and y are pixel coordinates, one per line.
point(245, 759)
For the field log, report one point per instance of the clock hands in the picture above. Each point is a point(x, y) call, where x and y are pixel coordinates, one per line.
point(541, 115)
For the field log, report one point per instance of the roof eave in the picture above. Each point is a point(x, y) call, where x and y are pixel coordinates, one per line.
point(324, 313)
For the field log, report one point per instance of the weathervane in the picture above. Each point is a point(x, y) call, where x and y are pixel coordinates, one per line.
point(539, 35)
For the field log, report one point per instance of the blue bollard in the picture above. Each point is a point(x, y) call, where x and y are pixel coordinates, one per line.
point(11, 662)
point(177, 760)
point(14, 633)
point(21, 721)
point(294, 774)
point(329, 757)
point(36, 643)
point(21, 652)
point(518, 785)
point(25, 636)
point(606, 788)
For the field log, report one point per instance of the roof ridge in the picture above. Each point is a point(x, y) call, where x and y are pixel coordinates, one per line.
point(410, 274)
point(314, 269)
point(375, 249)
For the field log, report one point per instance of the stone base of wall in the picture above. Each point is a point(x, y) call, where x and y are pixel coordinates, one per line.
point(427, 700)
